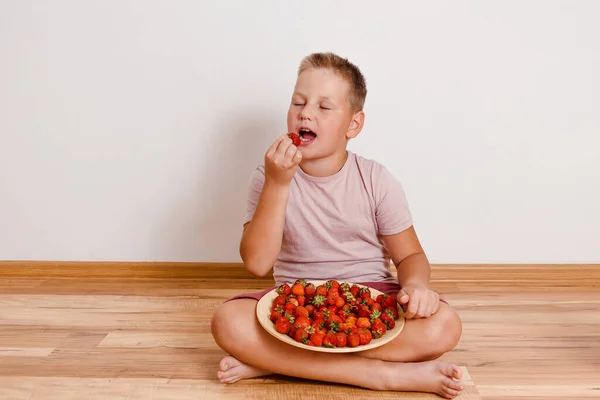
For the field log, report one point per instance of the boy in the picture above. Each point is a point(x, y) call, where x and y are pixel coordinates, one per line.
point(319, 212)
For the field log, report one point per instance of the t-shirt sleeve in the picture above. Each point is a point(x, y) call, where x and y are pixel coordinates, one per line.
point(391, 207)
point(257, 180)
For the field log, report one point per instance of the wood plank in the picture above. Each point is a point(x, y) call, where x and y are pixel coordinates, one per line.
point(25, 351)
point(182, 389)
point(528, 332)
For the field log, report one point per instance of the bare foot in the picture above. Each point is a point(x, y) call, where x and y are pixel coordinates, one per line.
point(430, 376)
point(232, 370)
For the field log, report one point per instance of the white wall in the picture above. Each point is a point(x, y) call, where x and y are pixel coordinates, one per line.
point(128, 129)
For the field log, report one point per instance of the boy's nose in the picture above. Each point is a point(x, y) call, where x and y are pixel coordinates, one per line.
point(306, 113)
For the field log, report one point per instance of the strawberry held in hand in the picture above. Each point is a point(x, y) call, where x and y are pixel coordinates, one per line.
point(333, 314)
point(295, 138)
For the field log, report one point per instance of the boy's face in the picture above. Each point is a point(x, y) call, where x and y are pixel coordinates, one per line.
point(321, 114)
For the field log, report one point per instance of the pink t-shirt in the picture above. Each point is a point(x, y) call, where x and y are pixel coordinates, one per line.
point(333, 224)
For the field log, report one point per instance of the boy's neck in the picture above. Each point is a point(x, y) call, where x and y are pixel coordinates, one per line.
point(324, 167)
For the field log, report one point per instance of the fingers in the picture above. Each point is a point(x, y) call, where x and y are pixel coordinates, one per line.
point(273, 148)
point(283, 153)
point(422, 311)
point(412, 307)
point(436, 306)
point(403, 298)
point(291, 153)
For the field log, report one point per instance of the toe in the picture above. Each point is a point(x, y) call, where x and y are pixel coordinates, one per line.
point(450, 393)
point(452, 384)
point(447, 369)
point(224, 365)
point(457, 372)
point(231, 379)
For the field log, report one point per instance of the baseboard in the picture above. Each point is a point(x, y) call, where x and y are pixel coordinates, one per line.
point(557, 273)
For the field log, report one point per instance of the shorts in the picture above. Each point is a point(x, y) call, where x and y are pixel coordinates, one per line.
point(388, 288)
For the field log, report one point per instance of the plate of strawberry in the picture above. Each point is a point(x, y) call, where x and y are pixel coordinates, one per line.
point(330, 316)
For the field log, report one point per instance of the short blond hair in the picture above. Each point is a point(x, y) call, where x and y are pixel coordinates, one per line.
point(348, 71)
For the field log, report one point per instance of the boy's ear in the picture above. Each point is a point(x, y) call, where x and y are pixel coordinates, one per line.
point(356, 125)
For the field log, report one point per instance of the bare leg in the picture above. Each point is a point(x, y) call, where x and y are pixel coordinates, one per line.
point(232, 370)
point(422, 339)
point(237, 331)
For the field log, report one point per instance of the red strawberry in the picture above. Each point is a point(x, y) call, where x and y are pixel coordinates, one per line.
point(364, 293)
point(318, 300)
point(310, 290)
point(330, 339)
point(393, 311)
point(301, 311)
point(377, 307)
point(318, 324)
point(298, 289)
point(343, 314)
point(317, 315)
point(354, 289)
point(353, 340)
point(334, 322)
point(284, 289)
point(341, 339)
point(302, 322)
point(301, 300)
point(378, 329)
point(388, 320)
point(352, 330)
point(374, 315)
point(283, 325)
point(295, 138)
point(332, 309)
point(365, 336)
point(331, 300)
point(290, 317)
point(275, 315)
point(339, 303)
point(310, 308)
point(389, 302)
point(293, 301)
point(292, 332)
point(363, 323)
point(290, 307)
point(300, 335)
point(317, 338)
point(279, 300)
point(363, 311)
point(346, 327)
point(379, 298)
point(332, 284)
point(369, 301)
point(322, 290)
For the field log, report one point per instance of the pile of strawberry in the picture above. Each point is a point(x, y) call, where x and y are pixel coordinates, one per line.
point(333, 314)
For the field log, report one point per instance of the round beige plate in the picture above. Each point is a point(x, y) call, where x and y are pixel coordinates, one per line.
point(263, 311)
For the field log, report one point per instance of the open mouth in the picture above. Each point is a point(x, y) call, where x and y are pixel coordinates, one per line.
point(306, 135)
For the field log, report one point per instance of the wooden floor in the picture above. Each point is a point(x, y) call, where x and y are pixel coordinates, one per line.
point(141, 331)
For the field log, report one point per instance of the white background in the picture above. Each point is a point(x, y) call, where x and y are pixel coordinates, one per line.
point(128, 129)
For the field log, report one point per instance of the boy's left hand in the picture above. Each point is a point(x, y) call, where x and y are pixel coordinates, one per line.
point(418, 301)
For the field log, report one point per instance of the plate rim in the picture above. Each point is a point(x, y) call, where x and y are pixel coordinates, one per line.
point(268, 325)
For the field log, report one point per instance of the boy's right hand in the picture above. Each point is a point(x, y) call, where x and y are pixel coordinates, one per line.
point(281, 161)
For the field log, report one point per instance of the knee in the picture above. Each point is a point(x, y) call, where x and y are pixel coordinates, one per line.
point(222, 326)
point(445, 334)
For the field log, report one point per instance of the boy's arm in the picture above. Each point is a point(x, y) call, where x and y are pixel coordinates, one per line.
point(409, 258)
point(414, 273)
point(262, 236)
point(261, 240)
